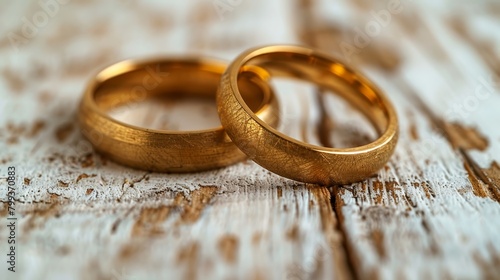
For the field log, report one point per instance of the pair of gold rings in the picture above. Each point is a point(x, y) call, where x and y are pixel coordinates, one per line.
point(248, 111)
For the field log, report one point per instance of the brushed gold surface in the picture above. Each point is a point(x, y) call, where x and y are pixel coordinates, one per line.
point(164, 150)
point(289, 157)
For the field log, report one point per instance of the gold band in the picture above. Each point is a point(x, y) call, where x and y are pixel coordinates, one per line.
point(294, 159)
point(162, 150)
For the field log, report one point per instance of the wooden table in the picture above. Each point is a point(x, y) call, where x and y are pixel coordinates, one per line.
point(432, 213)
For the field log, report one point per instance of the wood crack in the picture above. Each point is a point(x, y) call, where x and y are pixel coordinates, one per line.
point(306, 33)
point(325, 124)
point(331, 226)
point(131, 184)
point(443, 128)
point(478, 176)
point(336, 204)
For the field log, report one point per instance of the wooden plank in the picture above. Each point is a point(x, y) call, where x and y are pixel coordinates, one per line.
point(433, 212)
point(82, 214)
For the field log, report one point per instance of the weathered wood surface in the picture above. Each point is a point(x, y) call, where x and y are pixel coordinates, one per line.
point(433, 212)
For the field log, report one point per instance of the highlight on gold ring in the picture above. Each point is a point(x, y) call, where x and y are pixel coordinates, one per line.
point(166, 150)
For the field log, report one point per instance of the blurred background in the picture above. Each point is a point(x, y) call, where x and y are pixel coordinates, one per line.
point(432, 50)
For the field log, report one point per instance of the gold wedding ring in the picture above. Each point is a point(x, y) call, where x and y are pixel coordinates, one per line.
point(291, 158)
point(163, 150)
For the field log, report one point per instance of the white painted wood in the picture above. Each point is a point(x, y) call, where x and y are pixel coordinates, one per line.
point(82, 216)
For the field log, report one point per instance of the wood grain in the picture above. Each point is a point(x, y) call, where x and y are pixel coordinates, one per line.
point(433, 212)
